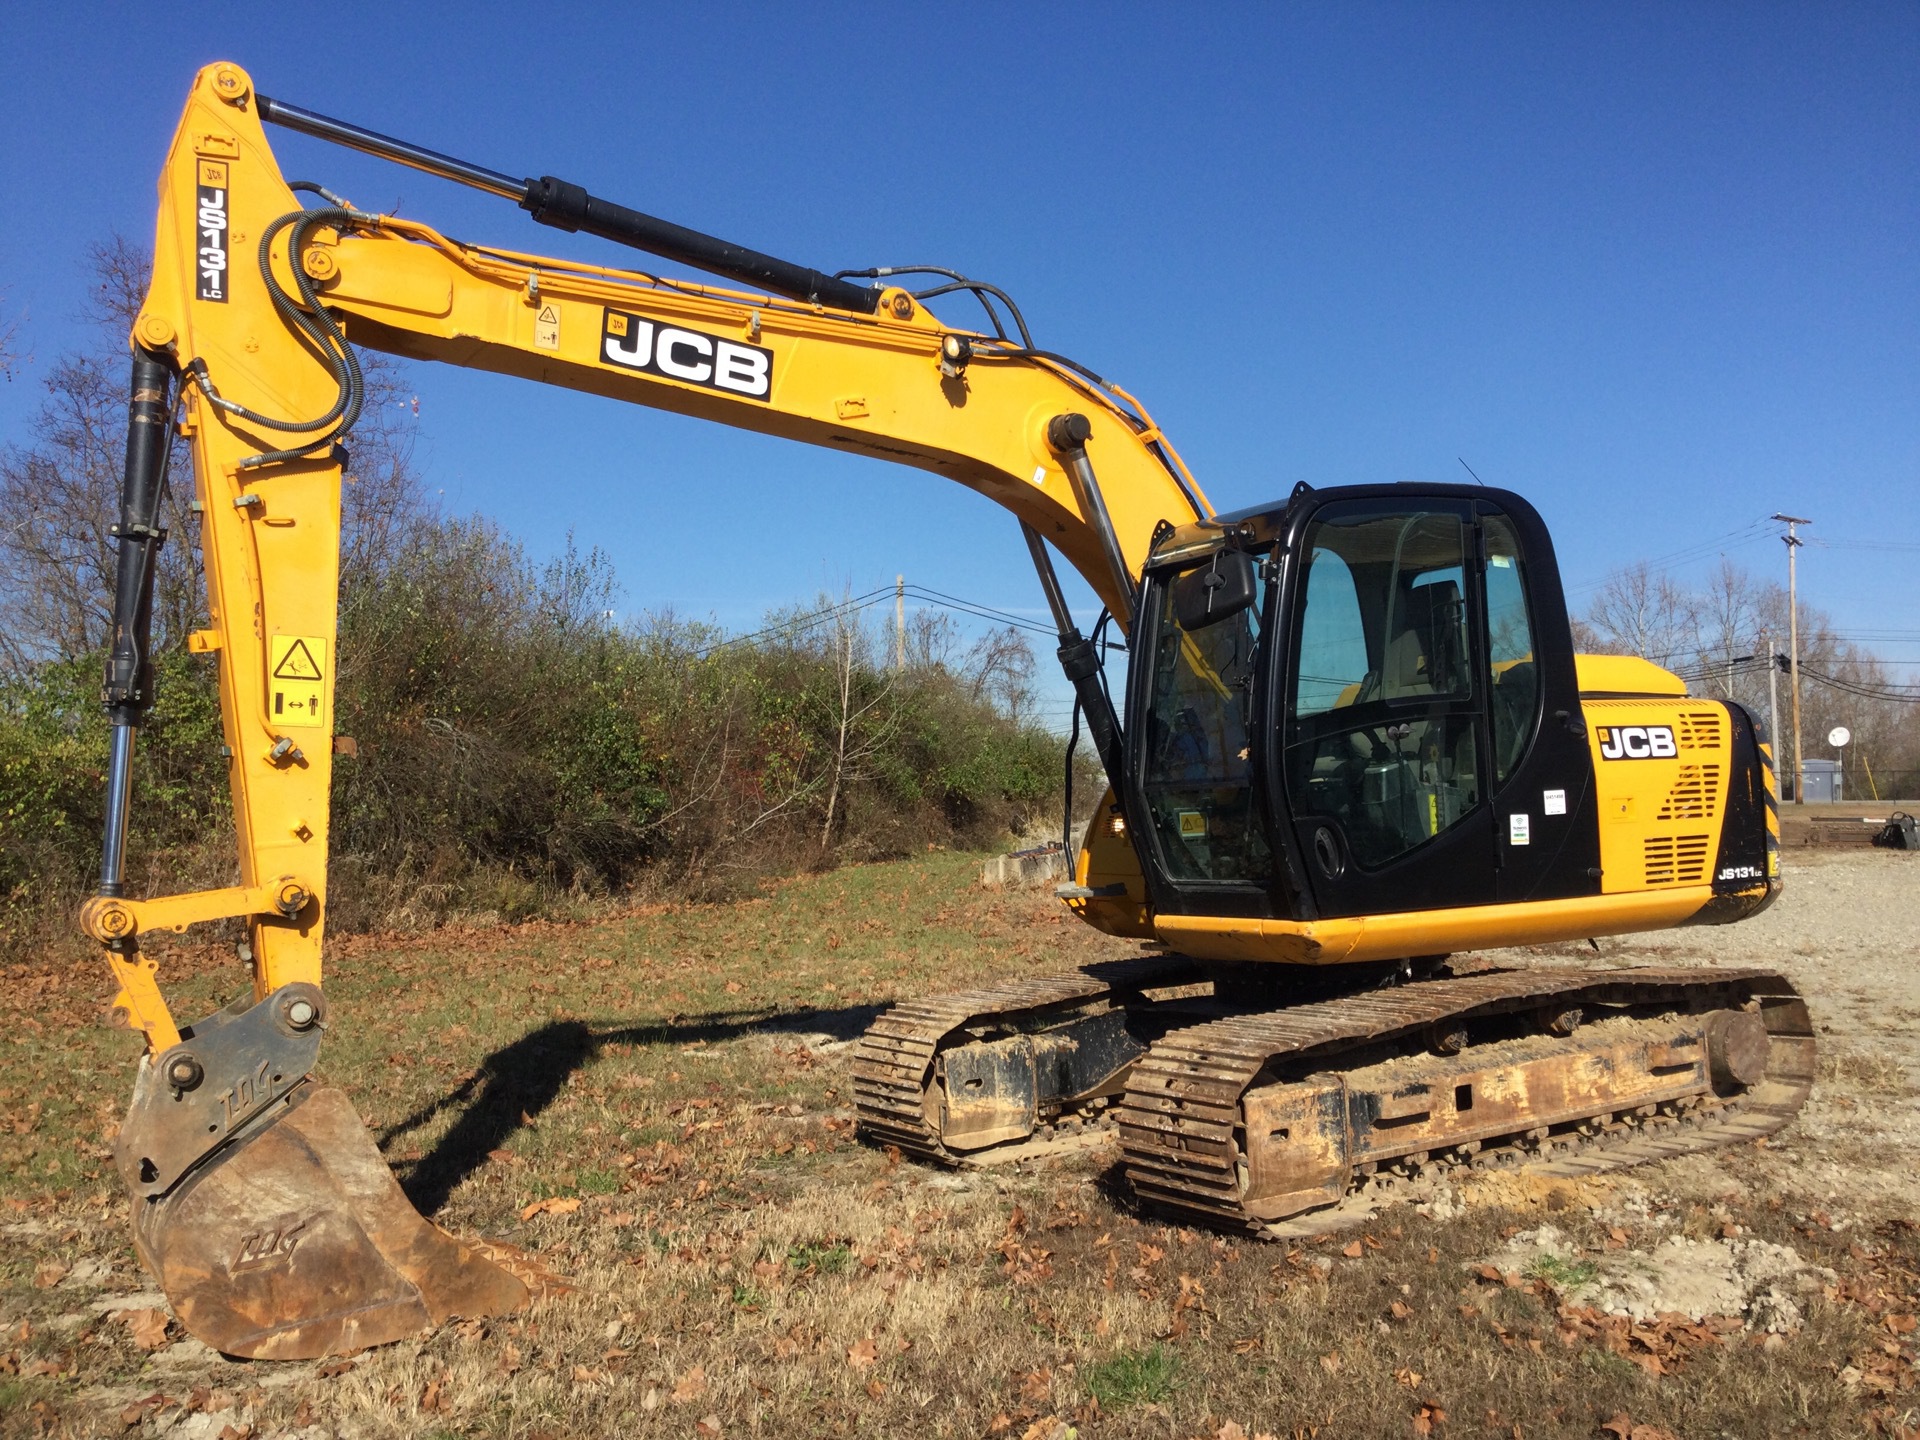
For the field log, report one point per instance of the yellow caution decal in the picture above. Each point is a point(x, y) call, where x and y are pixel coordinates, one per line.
point(296, 681)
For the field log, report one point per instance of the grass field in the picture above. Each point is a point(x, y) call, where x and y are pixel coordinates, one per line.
point(659, 1106)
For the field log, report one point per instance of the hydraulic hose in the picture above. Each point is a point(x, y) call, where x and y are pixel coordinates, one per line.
point(311, 320)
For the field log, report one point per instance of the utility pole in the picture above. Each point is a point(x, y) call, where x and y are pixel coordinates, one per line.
point(1773, 699)
point(1793, 645)
point(899, 622)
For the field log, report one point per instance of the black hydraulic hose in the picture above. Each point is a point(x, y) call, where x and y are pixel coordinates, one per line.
point(1066, 823)
point(312, 321)
point(980, 288)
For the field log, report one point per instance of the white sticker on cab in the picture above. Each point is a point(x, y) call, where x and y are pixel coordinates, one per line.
point(1553, 802)
point(1520, 829)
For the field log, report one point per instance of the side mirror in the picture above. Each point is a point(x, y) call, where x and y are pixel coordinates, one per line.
point(1221, 588)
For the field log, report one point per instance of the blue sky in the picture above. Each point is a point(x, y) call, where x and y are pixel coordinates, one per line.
point(1657, 267)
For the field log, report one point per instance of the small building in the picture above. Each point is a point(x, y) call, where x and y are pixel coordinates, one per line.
point(1823, 781)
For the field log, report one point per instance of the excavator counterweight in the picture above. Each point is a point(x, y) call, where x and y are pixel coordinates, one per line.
point(1354, 741)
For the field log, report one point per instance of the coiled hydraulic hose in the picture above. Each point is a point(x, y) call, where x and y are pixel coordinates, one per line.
point(310, 319)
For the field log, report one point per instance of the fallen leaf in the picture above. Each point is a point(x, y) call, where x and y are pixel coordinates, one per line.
point(237, 1432)
point(709, 1427)
point(148, 1327)
point(341, 1367)
point(1353, 1251)
point(49, 1274)
point(1230, 1430)
point(1331, 1363)
point(1036, 1384)
point(690, 1386)
point(1400, 1310)
point(862, 1353)
point(1409, 1378)
point(134, 1413)
point(552, 1205)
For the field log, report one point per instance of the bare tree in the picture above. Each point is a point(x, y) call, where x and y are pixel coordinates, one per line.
point(1643, 611)
point(60, 491)
point(999, 670)
point(855, 739)
point(932, 641)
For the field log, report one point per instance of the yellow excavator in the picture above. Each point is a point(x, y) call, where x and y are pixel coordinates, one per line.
point(1354, 740)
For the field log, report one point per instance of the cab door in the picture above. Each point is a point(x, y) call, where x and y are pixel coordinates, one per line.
point(1385, 755)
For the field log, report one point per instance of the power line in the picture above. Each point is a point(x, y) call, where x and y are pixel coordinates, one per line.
point(1897, 545)
point(800, 624)
point(1898, 694)
point(979, 611)
point(1748, 534)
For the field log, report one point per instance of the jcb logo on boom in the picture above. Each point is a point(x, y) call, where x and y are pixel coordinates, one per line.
point(637, 343)
point(1637, 742)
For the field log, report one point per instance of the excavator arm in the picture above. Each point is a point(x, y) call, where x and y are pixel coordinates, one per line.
point(268, 1217)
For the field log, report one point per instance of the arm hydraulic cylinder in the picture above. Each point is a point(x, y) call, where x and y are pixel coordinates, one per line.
point(128, 688)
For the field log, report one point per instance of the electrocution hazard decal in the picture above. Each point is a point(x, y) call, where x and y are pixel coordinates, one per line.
point(297, 680)
point(212, 225)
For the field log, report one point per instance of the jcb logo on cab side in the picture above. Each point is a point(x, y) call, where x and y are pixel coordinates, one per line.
point(1637, 742)
point(636, 343)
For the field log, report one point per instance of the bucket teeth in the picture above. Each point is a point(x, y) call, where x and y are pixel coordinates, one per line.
point(297, 1242)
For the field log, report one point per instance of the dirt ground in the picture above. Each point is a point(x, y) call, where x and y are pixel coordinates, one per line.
point(659, 1107)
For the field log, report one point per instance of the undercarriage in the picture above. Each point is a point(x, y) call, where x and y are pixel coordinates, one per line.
point(1271, 1104)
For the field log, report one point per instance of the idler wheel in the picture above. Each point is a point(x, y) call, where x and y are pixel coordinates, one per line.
point(1738, 1047)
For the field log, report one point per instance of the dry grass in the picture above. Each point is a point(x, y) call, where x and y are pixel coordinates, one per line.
point(744, 1267)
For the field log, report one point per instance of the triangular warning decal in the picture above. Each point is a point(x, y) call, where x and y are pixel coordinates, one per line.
point(297, 664)
point(549, 315)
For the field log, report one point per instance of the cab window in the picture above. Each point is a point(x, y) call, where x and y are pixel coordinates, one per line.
point(1514, 678)
point(1382, 731)
point(1198, 765)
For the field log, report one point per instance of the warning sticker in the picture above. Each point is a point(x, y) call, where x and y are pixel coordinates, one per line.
point(546, 326)
point(296, 683)
point(1192, 823)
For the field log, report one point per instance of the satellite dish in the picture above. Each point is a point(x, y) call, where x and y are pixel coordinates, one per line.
point(1839, 736)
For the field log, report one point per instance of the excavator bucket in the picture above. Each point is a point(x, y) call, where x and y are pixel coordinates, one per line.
point(286, 1237)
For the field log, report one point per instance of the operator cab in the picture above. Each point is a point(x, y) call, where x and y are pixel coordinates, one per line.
point(1361, 702)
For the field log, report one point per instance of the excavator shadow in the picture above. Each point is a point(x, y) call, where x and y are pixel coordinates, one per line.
point(513, 1085)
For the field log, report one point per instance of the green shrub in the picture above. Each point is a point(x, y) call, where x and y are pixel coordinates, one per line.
point(519, 752)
